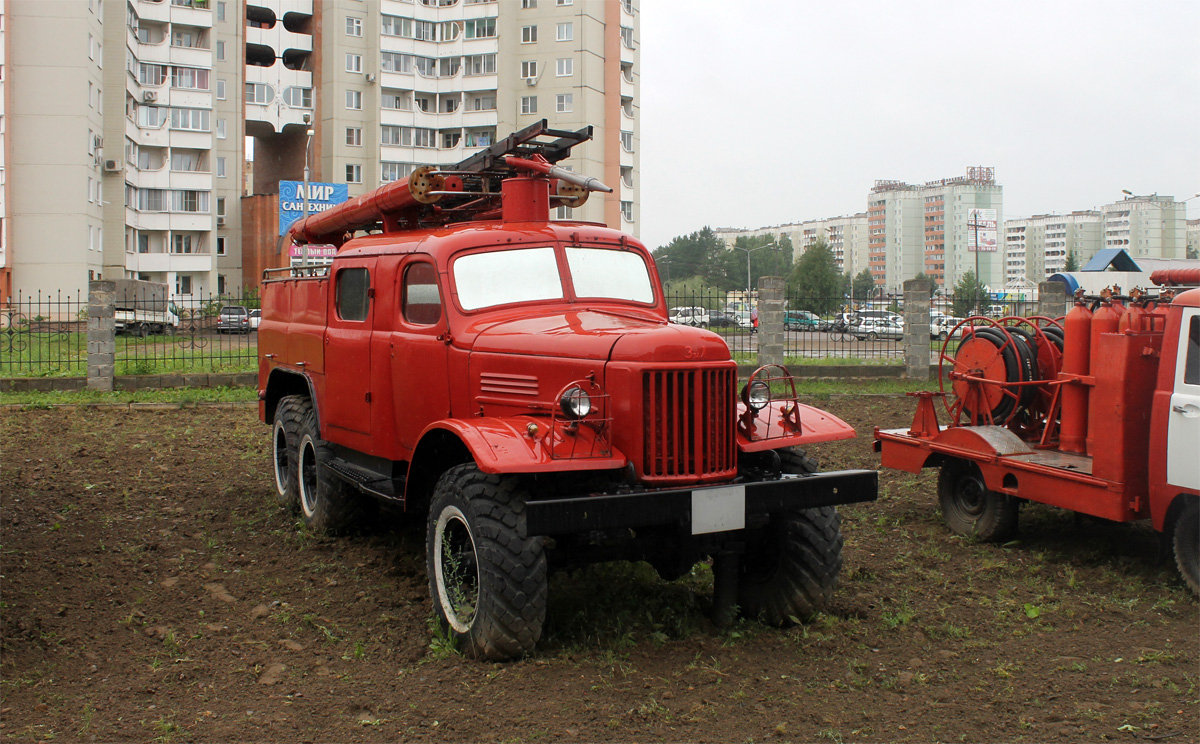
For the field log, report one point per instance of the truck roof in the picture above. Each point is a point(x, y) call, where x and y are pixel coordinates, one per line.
point(452, 238)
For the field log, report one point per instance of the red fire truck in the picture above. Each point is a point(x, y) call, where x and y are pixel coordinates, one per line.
point(514, 381)
point(1099, 414)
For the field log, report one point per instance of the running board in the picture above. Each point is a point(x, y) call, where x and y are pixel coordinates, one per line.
point(367, 481)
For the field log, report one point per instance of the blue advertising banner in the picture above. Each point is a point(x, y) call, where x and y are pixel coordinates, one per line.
point(321, 196)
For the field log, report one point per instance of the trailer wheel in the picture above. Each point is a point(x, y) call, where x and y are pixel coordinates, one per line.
point(487, 577)
point(970, 509)
point(1187, 545)
point(143, 330)
point(792, 572)
point(326, 503)
point(285, 441)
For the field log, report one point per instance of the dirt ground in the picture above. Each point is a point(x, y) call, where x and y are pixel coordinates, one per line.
point(152, 591)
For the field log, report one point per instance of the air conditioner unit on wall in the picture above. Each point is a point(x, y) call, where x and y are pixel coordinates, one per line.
point(113, 166)
point(149, 96)
point(531, 81)
point(220, 221)
point(370, 77)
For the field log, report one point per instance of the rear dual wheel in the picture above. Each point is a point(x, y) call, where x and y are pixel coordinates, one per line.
point(1186, 541)
point(326, 503)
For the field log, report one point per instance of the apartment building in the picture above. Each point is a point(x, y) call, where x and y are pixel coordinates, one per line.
point(1037, 247)
point(386, 86)
point(846, 236)
point(929, 228)
point(5, 271)
point(115, 168)
point(1147, 226)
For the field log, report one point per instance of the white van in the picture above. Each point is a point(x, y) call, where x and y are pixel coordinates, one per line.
point(693, 316)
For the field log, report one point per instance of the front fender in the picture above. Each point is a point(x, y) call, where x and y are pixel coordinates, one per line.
point(774, 427)
point(511, 445)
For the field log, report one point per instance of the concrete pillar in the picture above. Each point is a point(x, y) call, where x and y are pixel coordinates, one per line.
point(916, 328)
point(1052, 299)
point(101, 336)
point(772, 294)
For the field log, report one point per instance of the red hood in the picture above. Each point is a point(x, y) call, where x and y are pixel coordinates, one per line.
point(590, 334)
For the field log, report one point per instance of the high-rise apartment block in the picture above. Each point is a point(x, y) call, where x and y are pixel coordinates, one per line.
point(134, 167)
point(392, 85)
point(928, 229)
point(1037, 247)
point(846, 236)
point(1147, 226)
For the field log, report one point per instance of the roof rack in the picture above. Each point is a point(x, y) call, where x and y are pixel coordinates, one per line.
point(434, 196)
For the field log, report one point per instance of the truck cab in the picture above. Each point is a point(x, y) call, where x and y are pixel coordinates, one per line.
point(515, 382)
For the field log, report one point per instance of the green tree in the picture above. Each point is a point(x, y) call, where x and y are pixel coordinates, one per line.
point(694, 292)
point(967, 294)
point(815, 282)
point(862, 285)
point(1072, 262)
point(699, 254)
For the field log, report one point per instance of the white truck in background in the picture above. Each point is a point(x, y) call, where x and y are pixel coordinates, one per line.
point(141, 308)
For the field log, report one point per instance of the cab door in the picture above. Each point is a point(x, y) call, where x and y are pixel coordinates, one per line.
point(1183, 420)
point(347, 403)
point(419, 348)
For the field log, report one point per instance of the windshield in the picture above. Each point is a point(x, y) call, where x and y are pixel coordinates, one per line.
point(530, 274)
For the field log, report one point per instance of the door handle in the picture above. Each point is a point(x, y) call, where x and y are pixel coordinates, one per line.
point(1188, 410)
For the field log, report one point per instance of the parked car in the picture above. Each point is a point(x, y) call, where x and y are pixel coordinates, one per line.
point(861, 316)
point(873, 329)
point(743, 318)
point(996, 311)
point(720, 319)
point(941, 326)
point(691, 316)
point(255, 319)
point(233, 319)
point(801, 320)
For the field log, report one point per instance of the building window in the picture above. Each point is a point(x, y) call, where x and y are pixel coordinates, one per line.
point(220, 11)
point(353, 173)
point(353, 26)
point(353, 63)
point(627, 211)
point(259, 93)
point(181, 243)
point(220, 168)
point(183, 285)
point(627, 37)
point(220, 129)
point(298, 97)
point(564, 103)
point(564, 67)
point(483, 103)
point(220, 90)
point(528, 4)
point(195, 120)
point(480, 28)
point(396, 100)
point(394, 171)
point(220, 206)
point(354, 136)
point(220, 245)
point(221, 50)
point(528, 104)
point(566, 31)
point(529, 69)
point(354, 100)
point(560, 3)
point(528, 34)
point(480, 64)
point(191, 78)
point(627, 141)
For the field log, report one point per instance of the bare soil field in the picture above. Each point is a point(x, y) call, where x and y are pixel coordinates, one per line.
point(152, 590)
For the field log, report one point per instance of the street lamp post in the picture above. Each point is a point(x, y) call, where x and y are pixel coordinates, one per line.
point(748, 252)
point(307, 174)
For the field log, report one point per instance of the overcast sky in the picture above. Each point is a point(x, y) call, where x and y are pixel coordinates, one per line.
point(756, 114)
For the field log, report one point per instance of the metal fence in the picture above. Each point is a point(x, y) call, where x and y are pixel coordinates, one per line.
point(45, 335)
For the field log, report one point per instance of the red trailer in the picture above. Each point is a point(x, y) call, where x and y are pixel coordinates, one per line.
point(1099, 414)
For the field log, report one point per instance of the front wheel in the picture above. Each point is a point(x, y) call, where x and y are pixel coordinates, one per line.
point(1186, 540)
point(487, 576)
point(970, 509)
point(792, 572)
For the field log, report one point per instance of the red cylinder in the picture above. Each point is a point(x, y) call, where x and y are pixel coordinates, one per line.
point(1106, 319)
point(1131, 320)
point(1077, 359)
point(526, 199)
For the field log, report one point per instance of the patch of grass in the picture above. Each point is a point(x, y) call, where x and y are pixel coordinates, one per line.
point(45, 399)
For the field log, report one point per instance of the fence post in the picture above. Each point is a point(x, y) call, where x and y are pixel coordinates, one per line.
point(916, 329)
point(771, 297)
point(1052, 299)
point(101, 336)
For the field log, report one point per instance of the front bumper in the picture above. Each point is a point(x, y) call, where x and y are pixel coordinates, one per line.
point(700, 510)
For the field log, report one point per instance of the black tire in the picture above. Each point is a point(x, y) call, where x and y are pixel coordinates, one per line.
point(970, 509)
point(942, 336)
point(285, 442)
point(872, 336)
point(487, 577)
point(143, 330)
point(1186, 540)
point(791, 573)
point(326, 503)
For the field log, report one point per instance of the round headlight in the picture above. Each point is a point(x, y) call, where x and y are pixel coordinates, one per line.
point(756, 395)
point(575, 403)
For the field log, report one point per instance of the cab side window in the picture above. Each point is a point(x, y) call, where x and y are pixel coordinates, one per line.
point(353, 294)
point(1191, 365)
point(422, 303)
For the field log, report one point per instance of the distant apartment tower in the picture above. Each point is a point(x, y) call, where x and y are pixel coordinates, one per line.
point(1038, 246)
point(925, 228)
point(1147, 226)
point(391, 85)
point(109, 130)
point(1193, 239)
point(846, 236)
